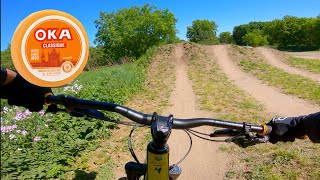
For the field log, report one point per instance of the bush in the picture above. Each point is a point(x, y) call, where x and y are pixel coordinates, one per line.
point(203, 32)
point(226, 38)
point(97, 58)
point(6, 60)
point(255, 39)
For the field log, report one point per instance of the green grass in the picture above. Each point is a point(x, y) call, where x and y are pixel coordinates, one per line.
point(284, 161)
point(312, 65)
point(290, 83)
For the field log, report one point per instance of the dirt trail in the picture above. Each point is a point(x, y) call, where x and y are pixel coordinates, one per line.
point(275, 61)
point(204, 161)
point(275, 101)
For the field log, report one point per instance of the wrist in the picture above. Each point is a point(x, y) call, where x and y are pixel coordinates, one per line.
point(11, 75)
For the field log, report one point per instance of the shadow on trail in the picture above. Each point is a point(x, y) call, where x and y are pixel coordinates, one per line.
point(82, 175)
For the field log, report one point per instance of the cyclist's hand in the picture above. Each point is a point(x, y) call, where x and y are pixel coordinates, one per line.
point(283, 129)
point(20, 92)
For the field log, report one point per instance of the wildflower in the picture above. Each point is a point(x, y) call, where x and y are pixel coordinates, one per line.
point(66, 88)
point(38, 129)
point(19, 149)
point(5, 129)
point(24, 132)
point(73, 88)
point(46, 125)
point(19, 116)
point(27, 112)
point(11, 136)
point(22, 115)
point(37, 138)
point(41, 113)
point(18, 131)
point(5, 109)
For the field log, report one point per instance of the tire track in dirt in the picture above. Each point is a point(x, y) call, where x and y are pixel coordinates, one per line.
point(275, 101)
point(205, 161)
point(273, 60)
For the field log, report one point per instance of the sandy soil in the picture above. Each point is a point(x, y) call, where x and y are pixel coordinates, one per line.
point(204, 161)
point(276, 61)
point(308, 54)
point(275, 101)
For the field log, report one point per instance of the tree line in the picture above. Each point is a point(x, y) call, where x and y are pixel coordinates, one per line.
point(287, 32)
point(126, 34)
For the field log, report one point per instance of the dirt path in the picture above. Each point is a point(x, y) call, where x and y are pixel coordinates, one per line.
point(204, 161)
point(276, 102)
point(308, 55)
point(276, 61)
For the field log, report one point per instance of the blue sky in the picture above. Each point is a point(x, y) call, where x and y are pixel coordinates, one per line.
point(226, 13)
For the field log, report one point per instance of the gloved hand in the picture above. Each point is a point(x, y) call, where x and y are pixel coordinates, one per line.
point(20, 92)
point(285, 129)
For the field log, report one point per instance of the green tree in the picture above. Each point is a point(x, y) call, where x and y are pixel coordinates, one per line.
point(97, 58)
point(129, 32)
point(226, 38)
point(203, 32)
point(255, 38)
point(6, 60)
point(294, 31)
point(315, 31)
point(242, 30)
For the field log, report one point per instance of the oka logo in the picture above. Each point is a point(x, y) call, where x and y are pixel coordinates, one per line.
point(52, 34)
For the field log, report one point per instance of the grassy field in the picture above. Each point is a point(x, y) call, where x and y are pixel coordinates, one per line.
point(312, 65)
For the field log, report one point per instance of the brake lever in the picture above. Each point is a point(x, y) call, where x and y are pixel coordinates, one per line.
point(53, 108)
point(76, 111)
point(224, 133)
point(246, 140)
point(80, 112)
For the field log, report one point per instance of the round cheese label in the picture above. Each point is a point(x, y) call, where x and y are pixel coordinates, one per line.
point(50, 48)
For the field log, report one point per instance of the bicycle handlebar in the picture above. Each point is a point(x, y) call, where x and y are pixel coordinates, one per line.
point(145, 119)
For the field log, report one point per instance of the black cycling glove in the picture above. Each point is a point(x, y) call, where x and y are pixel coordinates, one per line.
point(288, 128)
point(20, 92)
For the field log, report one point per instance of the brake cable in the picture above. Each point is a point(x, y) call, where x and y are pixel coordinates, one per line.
point(130, 144)
point(184, 157)
point(193, 132)
point(199, 132)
